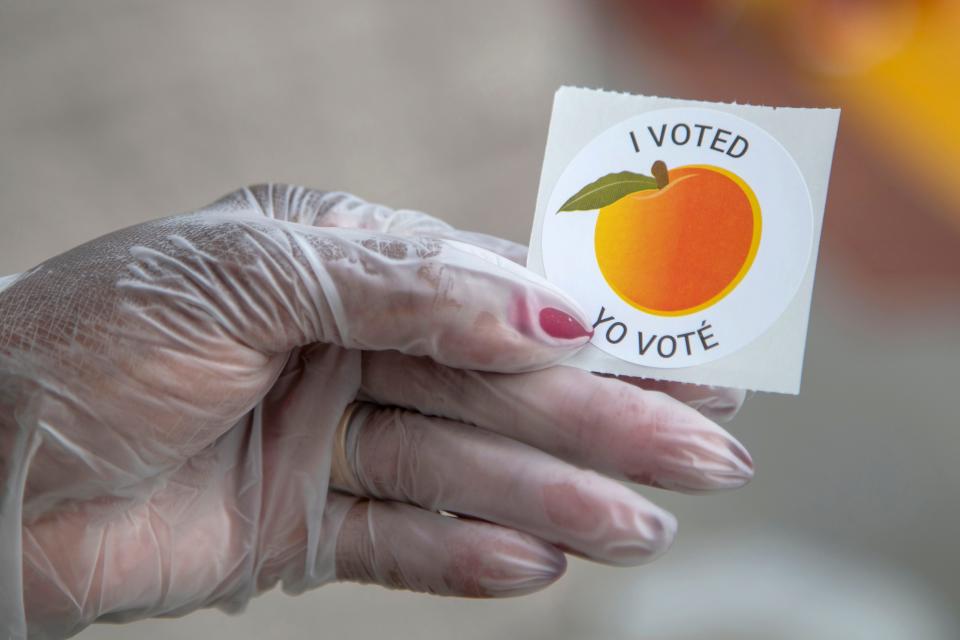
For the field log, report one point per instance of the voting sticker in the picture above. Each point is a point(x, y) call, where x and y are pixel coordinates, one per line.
point(685, 232)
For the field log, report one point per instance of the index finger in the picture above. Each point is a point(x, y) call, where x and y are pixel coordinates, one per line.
point(594, 422)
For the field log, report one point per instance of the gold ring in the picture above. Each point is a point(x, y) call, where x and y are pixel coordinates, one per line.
point(342, 476)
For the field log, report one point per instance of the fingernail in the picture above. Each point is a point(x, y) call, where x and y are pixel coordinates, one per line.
point(723, 405)
point(742, 454)
point(560, 324)
point(662, 530)
point(702, 460)
point(528, 567)
point(652, 531)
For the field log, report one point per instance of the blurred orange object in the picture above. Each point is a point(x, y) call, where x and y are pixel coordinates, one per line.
point(894, 68)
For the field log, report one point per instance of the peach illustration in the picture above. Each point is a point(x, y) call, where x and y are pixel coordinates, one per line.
point(674, 243)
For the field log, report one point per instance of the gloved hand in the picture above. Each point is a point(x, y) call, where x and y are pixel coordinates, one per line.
point(170, 397)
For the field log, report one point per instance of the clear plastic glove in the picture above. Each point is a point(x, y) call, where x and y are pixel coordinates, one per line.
point(170, 397)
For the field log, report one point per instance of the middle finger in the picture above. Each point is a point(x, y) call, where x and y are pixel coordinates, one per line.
point(438, 464)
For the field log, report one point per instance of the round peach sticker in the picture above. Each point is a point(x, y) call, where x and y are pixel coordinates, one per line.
point(684, 232)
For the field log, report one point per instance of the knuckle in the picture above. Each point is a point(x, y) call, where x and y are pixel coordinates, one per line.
point(659, 412)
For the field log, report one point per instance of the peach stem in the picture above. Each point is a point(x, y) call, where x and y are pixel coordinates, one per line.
point(659, 171)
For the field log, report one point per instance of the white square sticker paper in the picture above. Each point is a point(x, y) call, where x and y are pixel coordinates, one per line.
point(688, 231)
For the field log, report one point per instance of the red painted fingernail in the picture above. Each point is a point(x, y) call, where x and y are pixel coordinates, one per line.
point(559, 324)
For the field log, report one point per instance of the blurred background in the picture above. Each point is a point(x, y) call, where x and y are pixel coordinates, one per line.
point(116, 111)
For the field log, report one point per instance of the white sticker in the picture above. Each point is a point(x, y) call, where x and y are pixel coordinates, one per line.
point(685, 232)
